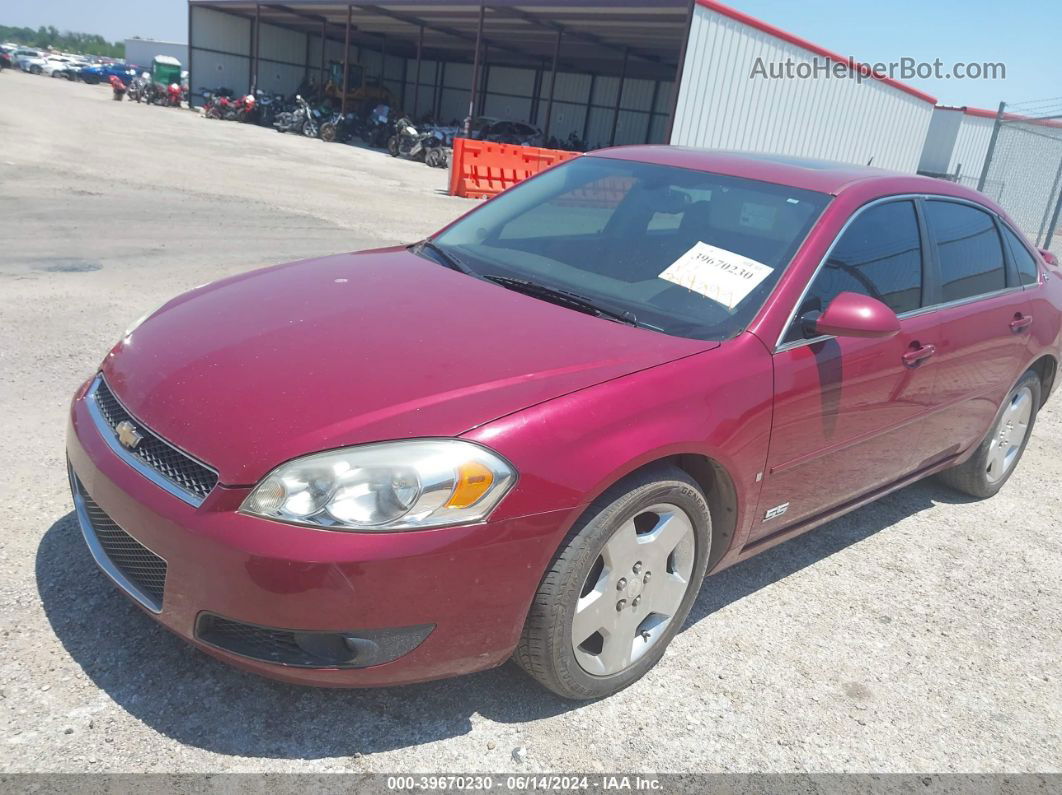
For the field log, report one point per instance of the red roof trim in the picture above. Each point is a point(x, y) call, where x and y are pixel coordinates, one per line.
point(778, 33)
point(991, 114)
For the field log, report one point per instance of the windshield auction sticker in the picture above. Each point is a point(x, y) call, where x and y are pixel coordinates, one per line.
point(725, 277)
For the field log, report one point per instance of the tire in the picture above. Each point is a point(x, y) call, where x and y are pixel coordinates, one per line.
point(592, 565)
point(36, 70)
point(996, 458)
point(309, 129)
point(328, 132)
point(392, 146)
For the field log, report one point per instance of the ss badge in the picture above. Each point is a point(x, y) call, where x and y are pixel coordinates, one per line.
point(776, 511)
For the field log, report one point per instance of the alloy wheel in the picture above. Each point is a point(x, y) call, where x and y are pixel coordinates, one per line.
point(633, 590)
point(1010, 434)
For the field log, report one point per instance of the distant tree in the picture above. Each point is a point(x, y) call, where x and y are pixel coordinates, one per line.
point(67, 41)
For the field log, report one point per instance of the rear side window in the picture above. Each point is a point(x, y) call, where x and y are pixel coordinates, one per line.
point(1028, 272)
point(879, 255)
point(971, 257)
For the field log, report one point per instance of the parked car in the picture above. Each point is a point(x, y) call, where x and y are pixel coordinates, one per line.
point(103, 72)
point(55, 66)
point(6, 61)
point(29, 60)
point(72, 69)
point(511, 132)
point(531, 434)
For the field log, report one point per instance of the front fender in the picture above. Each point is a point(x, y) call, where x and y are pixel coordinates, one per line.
point(717, 404)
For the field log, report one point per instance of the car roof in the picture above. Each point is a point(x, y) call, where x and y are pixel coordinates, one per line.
point(822, 176)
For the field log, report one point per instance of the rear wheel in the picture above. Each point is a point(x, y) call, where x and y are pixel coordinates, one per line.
point(620, 588)
point(998, 455)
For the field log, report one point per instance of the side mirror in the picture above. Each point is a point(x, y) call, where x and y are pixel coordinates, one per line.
point(852, 315)
point(1049, 258)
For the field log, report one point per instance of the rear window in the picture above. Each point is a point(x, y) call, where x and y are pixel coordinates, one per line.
point(968, 246)
point(1028, 271)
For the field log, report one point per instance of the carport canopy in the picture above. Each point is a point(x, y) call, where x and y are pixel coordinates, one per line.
point(614, 38)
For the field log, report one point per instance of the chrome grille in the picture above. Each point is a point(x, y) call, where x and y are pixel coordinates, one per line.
point(177, 467)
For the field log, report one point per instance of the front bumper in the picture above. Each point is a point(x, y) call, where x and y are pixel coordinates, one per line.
point(468, 587)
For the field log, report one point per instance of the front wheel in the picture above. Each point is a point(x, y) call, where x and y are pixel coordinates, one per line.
point(328, 132)
point(998, 455)
point(622, 584)
point(435, 158)
point(392, 146)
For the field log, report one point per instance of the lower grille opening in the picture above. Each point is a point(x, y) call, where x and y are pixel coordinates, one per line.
point(135, 562)
point(309, 649)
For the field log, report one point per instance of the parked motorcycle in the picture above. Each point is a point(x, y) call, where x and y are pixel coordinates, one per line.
point(241, 109)
point(216, 101)
point(378, 127)
point(338, 128)
point(267, 108)
point(294, 120)
point(137, 88)
point(172, 97)
point(411, 143)
point(118, 87)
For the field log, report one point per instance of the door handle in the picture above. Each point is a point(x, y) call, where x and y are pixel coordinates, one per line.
point(917, 355)
point(1020, 323)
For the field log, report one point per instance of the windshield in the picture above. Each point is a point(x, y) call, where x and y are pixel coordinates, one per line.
point(684, 252)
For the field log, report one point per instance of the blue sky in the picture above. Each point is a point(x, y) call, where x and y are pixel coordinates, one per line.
point(1024, 34)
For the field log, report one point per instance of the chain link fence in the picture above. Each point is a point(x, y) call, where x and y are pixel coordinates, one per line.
point(1022, 170)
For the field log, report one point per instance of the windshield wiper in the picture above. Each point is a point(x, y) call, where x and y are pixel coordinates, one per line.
point(448, 259)
point(564, 298)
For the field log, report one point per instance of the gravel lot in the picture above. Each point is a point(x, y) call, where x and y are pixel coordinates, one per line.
point(922, 633)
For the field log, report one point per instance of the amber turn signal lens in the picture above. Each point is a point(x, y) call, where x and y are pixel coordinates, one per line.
point(473, 481)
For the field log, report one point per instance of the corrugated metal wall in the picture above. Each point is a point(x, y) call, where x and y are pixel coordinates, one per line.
point(221, 50)
point(971, 146)
point(722, 105)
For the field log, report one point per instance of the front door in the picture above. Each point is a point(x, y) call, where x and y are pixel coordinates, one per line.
point(850, 414)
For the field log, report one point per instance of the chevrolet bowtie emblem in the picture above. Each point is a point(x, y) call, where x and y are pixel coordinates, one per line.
point(128, 434)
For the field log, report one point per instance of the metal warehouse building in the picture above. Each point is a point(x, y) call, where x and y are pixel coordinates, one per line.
point(605, 71)
point(1015, 159)
point(141, 51)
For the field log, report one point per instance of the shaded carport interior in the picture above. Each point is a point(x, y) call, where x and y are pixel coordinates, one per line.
point(603, 70)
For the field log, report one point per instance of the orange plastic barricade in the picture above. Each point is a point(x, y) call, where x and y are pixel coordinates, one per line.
point(480, 169)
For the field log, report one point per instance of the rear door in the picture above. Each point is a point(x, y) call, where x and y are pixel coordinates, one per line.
point(850, 413)
point(984, 318)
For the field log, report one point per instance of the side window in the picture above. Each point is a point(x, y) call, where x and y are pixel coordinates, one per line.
point(879, 255)
point(1028, 272)
point(968, 246)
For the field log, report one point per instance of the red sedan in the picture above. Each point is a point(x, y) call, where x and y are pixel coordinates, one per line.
point(532, 434)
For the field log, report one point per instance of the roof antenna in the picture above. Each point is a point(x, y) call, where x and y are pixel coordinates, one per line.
point(871, 160)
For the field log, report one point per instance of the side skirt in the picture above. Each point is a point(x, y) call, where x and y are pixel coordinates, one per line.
point(792, 531)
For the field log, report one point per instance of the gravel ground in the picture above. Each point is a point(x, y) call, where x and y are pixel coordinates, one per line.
point(921, 633)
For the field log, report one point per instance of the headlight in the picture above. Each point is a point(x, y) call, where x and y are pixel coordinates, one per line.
point(387, 486)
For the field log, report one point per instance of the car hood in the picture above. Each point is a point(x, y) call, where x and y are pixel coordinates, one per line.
point(254, 370)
